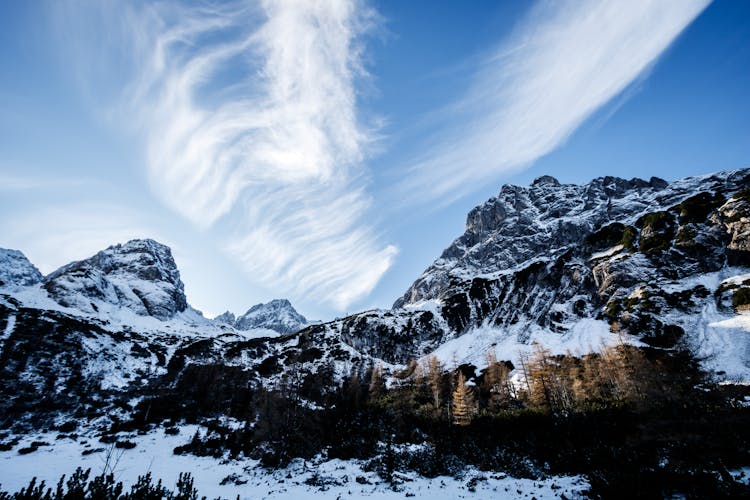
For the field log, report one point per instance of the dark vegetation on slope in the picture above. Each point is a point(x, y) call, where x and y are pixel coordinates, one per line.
point(79, 486)
point(637, 422)
point(42, 369)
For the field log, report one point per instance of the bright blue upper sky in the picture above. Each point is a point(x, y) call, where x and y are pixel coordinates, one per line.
point(249, 138)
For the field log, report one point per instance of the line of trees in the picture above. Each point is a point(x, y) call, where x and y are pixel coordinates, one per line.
point(614, 415)
point(617, 376)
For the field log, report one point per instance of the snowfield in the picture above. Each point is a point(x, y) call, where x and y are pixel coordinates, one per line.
point(326, 479)
point(509, 344)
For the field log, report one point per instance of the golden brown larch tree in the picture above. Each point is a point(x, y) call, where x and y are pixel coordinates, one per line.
point(464, 402)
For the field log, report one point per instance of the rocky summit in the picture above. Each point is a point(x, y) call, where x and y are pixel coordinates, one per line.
point(16, 270)
point(140, 275)
point(278, 315)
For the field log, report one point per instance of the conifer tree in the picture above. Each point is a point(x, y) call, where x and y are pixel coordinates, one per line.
point(435, 379)
point(497, 380)
point(377, 384)
point(464, 402)
point(539, 378)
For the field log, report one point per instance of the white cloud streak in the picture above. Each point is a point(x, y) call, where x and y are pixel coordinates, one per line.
point(566, 60)
point(249, 116)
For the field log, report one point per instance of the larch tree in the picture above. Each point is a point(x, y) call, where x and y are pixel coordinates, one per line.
point(497, 381)
point(377, 383)
point(464, 402)
point(539, 374)
point(435, 379)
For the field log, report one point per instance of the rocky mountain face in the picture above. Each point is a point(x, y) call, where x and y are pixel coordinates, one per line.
point(548, 219)
point(277, 315)
point(116, 327)
point(16, 270)
point(665, 264)
point(140, 275)
point(649, 258)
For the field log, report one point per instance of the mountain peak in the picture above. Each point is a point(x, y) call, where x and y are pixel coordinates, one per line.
point(226, 317)
point(278, 315)
point(526, 222)
point(16, 270)
point(139, 275)
point(545, 180)
point(273, 304)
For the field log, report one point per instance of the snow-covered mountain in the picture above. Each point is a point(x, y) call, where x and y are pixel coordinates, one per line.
point(278, 315)
point(572, 266)
point(569, 266)
point(549, 219)
point(140, 275)
point(16, 270)
point(118, 325)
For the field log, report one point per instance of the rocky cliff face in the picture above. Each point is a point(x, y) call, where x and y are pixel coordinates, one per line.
point(140, 275)
point(547, 219)
point(666, 264)
point(16, 270)
point(648, 258)
point(278, 315)
point(125, 332)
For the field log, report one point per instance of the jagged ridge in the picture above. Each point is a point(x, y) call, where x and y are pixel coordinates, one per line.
point(278, 315)
point(16, 270)
point(546, 256)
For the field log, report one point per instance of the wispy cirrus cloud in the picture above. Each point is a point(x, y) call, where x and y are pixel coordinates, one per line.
point(564, 61)
point(248, 113)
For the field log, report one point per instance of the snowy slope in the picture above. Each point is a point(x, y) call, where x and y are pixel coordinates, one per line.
point(244, 478)
point(116, 326)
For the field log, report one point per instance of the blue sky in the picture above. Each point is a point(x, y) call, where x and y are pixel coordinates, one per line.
point(328, 151)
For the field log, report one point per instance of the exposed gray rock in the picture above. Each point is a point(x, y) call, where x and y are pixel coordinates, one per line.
point(139, 275)
point(549, 254)
point(16, 270)
point(736, 217)
point(278, 315)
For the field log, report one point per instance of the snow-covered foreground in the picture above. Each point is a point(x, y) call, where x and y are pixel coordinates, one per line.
point(326, 479)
